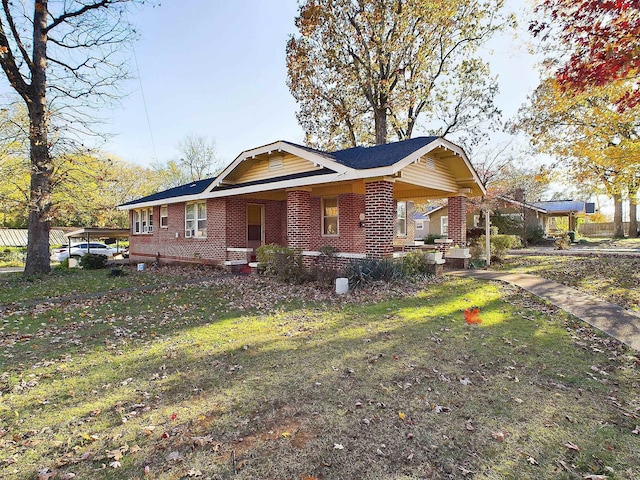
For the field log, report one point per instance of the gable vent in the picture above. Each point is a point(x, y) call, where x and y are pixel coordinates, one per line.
point(430, 163)
point(276, 163)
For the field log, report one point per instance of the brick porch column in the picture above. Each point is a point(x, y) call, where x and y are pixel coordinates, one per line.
point(458, 220)
point(299, 219)
point(380, 214)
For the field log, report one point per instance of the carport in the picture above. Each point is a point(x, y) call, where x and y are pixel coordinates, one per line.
point(97, 233)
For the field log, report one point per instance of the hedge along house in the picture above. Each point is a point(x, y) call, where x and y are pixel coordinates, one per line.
point(358, 200)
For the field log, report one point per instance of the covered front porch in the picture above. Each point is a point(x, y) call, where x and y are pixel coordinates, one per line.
point(359, 219)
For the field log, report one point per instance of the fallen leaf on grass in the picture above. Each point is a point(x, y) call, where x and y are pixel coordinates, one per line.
point(338, 446)
point(636, 431)
point(595, 477)
point(115, 454)
point(115, 464)
point(194, 473)
point(201, 441)
point(499, 436)
point(148, 430)
point(401, 415)
point(532, 461)
point(68, 476)
point(572, 446)
point(175, 457)
point(464, 471)
point(45, 474)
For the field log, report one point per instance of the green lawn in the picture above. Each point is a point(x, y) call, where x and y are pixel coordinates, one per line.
point(65, 282)
point(246, 378)
point(616, 279)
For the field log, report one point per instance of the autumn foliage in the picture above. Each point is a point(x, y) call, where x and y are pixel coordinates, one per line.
point(602, 39)
point(472, 315)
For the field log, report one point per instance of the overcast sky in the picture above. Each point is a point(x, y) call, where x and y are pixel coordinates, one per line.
point(217, 68)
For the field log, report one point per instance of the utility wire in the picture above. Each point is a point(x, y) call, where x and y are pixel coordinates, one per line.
point(144, 102)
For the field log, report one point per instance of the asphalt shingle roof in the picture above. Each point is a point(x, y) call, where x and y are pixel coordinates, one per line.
point(358, 158)
point(284, 178)
point(191, 188)
point(362, 158)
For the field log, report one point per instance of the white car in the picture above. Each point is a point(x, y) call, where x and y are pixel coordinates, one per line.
point(80, 249)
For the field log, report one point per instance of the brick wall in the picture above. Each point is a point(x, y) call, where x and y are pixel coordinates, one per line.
point(380, 219)
point(169, 244)
point(299, 219)
point(275, 219)
point(274, 214)
point(351, 236)
point(296, 223)
point(458, 220)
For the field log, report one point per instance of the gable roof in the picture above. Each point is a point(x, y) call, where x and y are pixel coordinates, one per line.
point(316, 157)
point(431, 209)
point(358, 163)
point(530, 206)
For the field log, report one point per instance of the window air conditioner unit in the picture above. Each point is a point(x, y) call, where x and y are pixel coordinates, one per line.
point(187, 233)
point(150, 229)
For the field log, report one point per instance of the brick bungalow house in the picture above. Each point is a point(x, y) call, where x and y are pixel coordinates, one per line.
point(359, 200)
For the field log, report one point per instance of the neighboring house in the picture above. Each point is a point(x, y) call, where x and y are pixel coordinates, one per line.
point(547, 215)
point(570, 210)
point(436, 221)
point(358, 200)
point(421, 225)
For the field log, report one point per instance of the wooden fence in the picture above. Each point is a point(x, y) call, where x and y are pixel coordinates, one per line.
point(600, 229)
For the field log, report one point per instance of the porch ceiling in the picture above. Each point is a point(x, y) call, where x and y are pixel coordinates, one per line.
point(401, 191)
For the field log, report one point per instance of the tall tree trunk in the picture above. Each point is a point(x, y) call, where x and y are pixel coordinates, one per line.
point(633, 214)
point(380, 117)
point(41, 167)
point(618, 227)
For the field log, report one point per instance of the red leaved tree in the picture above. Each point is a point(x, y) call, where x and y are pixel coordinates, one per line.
point(601, 37)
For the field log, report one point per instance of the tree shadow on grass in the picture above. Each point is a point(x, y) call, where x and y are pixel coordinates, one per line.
point(313, 376)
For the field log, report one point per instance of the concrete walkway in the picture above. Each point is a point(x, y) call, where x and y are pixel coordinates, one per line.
point(612, 319)
point(579, 251)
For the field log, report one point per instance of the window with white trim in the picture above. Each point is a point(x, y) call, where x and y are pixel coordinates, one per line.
point(476, 221)
point(195, 220)
point(330, 216)
point(444, 225)
point(401, 219)
point(164, 216)
point(143, 220)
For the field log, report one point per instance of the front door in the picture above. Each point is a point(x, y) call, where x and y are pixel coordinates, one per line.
point(255, 226)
